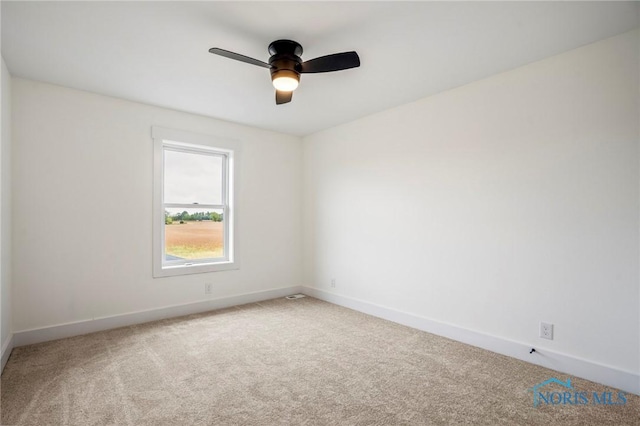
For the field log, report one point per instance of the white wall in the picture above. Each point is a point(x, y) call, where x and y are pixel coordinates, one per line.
point(494, 206)
point(5, 213)
point(82, 208)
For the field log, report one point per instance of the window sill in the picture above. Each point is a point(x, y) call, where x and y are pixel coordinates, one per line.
point(171, 271)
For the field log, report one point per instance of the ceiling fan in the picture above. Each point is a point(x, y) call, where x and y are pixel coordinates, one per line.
point(286, 66)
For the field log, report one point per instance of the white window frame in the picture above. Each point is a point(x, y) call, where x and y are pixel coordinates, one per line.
point(207, 145)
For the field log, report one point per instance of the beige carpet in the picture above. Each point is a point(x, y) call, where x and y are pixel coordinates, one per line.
point(281, 362)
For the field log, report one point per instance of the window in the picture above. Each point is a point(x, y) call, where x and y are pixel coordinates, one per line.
point(194, 215)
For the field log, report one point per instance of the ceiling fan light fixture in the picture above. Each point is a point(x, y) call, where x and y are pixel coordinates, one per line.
point(285, 80)
point(286, 65)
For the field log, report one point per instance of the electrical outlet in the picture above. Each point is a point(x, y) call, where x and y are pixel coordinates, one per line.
point(333, 283)
point(546, 330)
point(207, 288)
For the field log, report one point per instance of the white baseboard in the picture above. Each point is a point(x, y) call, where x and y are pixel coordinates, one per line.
point(28, 337)
point(607, 375)
point(7, 347)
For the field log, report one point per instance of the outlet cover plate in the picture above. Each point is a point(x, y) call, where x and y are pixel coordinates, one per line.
point(546, 330)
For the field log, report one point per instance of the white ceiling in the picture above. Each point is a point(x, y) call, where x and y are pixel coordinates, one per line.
point(156, 52)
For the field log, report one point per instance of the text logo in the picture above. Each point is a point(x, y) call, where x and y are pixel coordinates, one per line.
point(571, 396)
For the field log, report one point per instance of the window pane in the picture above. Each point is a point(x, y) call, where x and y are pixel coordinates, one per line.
point(192, 178)
point(191, 234)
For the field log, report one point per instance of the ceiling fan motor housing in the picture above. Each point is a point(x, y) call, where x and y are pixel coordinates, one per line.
point(285, 59)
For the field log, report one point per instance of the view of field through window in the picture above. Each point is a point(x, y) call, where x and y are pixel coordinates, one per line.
point(193, 234)
point(193, 193)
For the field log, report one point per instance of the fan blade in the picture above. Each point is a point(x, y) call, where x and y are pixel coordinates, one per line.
point(283, 97)
point(238, 57)
point(335, 62)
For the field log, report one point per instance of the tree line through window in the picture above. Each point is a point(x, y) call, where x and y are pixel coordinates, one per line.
point(185, 216)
